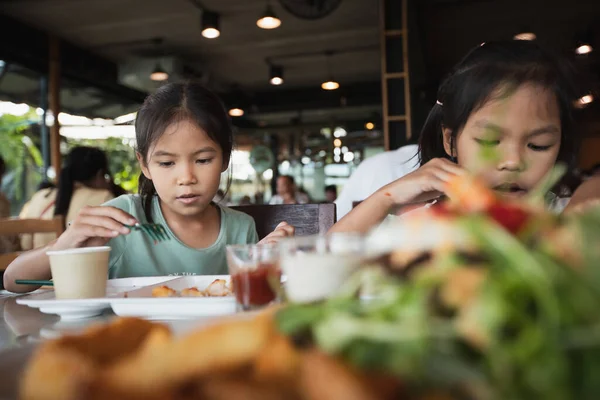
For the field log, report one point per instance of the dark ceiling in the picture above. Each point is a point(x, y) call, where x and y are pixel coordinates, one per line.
point(110, 33)
point(236, 63)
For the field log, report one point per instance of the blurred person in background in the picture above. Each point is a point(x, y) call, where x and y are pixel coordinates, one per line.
point(374, 173)
point(330, 193)
point(245, 201)
point(259, 198)
point(287, 192)
point(84, 181)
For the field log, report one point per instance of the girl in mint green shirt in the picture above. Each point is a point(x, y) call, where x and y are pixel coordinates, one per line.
point(184, 143)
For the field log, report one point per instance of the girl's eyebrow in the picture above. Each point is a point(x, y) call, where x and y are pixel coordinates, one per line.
point(160, 153)
point(163, 153)
point(489, 126)
point(207, 149)
point(549, 129)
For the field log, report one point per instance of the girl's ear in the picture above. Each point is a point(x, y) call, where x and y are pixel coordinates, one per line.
point(448, 142)
point(143, 165)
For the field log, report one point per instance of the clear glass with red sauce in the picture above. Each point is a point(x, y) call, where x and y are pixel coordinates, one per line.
point(255, 274)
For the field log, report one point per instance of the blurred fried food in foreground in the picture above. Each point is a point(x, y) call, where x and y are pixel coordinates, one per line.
point(238, 358)
point(64, 368)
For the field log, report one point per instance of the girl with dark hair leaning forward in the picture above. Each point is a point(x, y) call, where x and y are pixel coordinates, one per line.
point(184, 140)
point(512, 97)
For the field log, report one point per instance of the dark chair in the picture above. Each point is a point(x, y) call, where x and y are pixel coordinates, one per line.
point(308, 219)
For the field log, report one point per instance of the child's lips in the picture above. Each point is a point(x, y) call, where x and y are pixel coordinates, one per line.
point(188, 198)
point(510, 189)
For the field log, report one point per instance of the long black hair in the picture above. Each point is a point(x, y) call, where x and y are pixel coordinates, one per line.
point(175, 102)
point(497, 69)
point(82, 164)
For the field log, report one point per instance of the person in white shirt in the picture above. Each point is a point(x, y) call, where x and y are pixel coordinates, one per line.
point(287, 193)
point(374, 173)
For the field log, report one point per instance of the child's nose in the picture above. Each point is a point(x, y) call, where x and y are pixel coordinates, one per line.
point(186, 176)
point(512, 160)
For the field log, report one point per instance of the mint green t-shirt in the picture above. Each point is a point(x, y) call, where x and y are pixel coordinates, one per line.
point(136, 254)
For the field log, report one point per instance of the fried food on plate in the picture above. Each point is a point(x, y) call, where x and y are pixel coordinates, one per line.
point(192, 292)
point(163, 291)
point(243, 357)
point(279, 360)
point(218, 348)
point(61, 369)
point(323, 377)
point(217, 288)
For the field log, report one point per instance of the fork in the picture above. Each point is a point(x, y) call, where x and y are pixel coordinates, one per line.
point(155, 231)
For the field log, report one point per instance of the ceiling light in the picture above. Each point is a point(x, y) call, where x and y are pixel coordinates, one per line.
point(344, 149)
point(236, 112)
point(210, 25)
point(330, 85)
point(339, 132)
point(525, 36)
point(369, 125)
point(584, 100)
point(584, 49)
point(276, 74)
point(337, 143)
point(269, 20)
point(337, 151)
point(159, 74)
point(336, 158)
point(348, 157)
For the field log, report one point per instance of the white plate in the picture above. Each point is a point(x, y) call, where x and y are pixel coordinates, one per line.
point(84, 308)
point(140, 303)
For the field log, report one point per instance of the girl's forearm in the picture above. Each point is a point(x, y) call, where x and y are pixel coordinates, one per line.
point(33, 264)
point(368, 214)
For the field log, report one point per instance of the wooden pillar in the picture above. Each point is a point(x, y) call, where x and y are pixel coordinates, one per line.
point(395, 86)
point(54, 102)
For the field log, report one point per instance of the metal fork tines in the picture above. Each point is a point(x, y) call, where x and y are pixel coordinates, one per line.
point(155, 231)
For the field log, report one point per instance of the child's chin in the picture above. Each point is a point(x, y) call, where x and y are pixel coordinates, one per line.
point(190, 209)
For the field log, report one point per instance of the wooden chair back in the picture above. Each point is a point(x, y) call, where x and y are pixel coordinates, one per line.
point(17, 226)
point(308, 219)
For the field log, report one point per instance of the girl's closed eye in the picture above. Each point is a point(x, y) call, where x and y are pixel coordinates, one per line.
point(204, 161)
point(165, 164)
point(487, 142)
point(537, 147)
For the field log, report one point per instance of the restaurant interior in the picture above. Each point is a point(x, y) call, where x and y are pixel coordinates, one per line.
point(479, 294)
point(94, 63)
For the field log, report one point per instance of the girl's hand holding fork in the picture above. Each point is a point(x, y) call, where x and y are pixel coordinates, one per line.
point(94, 226)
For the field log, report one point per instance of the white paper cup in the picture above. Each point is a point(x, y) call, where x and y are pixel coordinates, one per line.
point(80, 273)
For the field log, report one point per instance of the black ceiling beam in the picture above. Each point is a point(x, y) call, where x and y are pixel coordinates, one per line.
point(28, 46)
point(308, 98)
